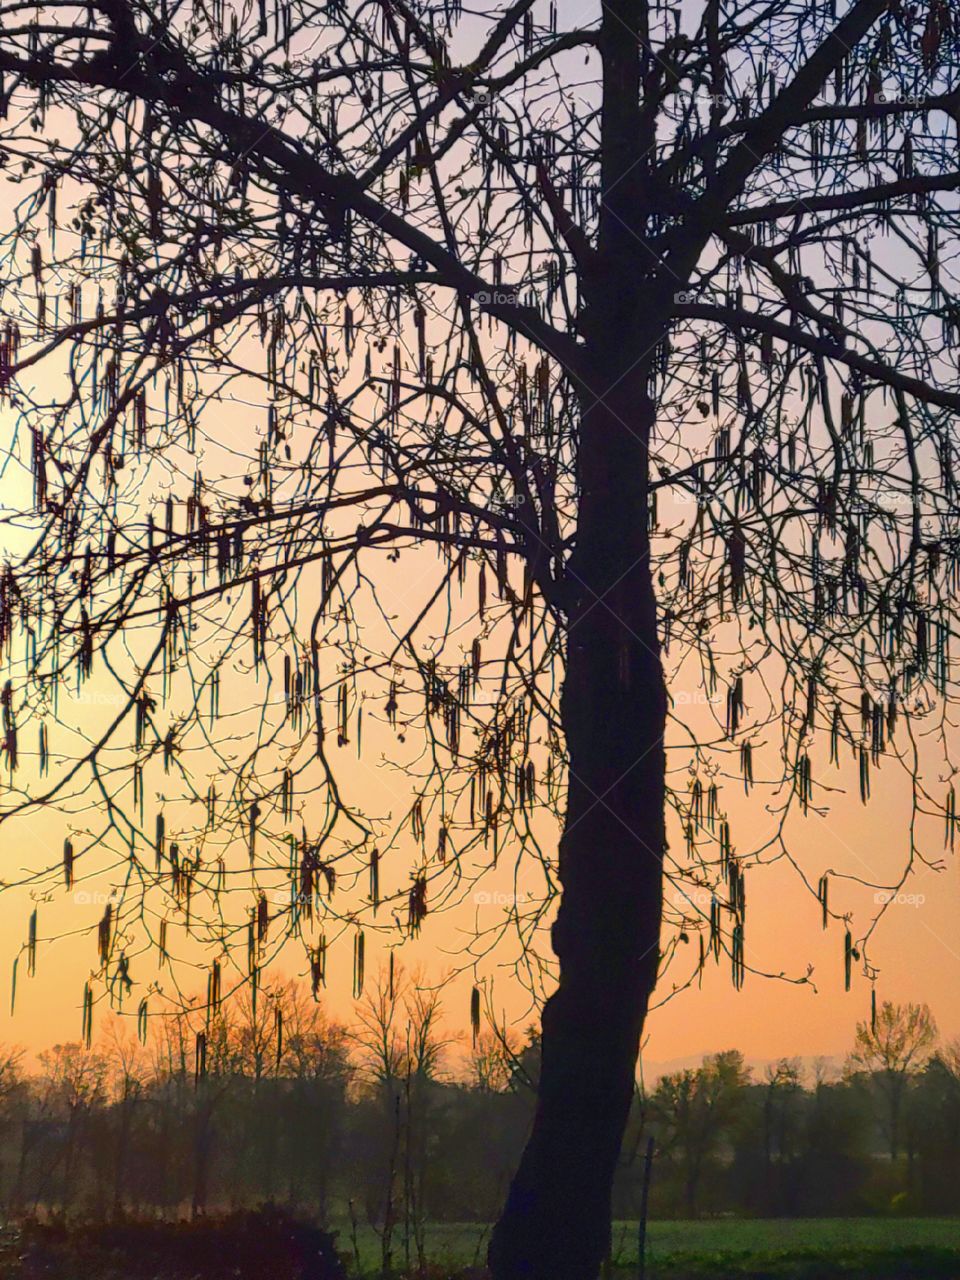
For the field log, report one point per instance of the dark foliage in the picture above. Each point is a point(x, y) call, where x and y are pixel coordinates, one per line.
point(266, 1245)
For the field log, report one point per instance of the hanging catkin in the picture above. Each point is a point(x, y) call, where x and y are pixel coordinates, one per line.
point(475, 1013)
point(86, 1030)
point(416, 905)
point(375, 878)
point(822, 890)
point(950, 815)
point(358, 960)
point(32, 944)
point(318, 967)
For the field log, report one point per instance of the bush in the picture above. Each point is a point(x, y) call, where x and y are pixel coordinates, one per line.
point(264, 1245)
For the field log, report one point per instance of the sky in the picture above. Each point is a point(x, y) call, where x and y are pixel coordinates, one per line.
point(916, 948)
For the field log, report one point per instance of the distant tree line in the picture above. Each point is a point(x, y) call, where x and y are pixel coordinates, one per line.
point(391, 1123)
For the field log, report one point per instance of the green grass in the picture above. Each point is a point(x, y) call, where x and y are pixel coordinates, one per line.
point(452, 1245)
point(782, 1249)
point(727, 1249)
point(867, 1247)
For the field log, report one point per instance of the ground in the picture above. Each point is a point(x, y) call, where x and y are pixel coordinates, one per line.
point(794, 1249)
point(778, 1249)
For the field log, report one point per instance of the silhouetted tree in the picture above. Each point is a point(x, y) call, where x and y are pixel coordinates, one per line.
point(893, 1047)
point(74, 1082)
point(12, 1091)
point(401, 1045)
point(126, 1078)
point(936, 1118)
point(695, 1110)
point(643, 318)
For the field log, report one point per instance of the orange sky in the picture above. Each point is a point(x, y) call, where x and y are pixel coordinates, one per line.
point(917, 948)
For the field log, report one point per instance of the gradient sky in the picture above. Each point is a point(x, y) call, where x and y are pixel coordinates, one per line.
point(916, 948)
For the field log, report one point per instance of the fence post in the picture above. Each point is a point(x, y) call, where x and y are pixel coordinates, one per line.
point(644, 1201)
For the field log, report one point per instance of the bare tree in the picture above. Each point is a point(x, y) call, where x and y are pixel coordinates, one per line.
point(12, 1118)
point(644, 324)
point(491, 1058)
point(74, 1082)
point(127, 1076)
point(316, 1058)
point(401, 1046)
point(894, 1046)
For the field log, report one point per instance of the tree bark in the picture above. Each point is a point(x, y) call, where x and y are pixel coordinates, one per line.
point(556, 1223)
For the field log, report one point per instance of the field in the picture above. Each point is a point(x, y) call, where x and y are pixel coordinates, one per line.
point(791, 1249)
point(255, 1247)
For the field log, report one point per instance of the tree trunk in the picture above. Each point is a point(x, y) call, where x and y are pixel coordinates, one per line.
point(692, 1187)
point(121, 1155)
point(556, 1223)
point(202, 1144)
point(896, 1096)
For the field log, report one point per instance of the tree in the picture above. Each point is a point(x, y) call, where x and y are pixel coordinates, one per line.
point(771, 1139)
point(936, 1117)
point(894, 1046)
point(401, 1045)
point(667, 358)
point(695, 1110)
point(309, 1111)
point(74, 1083)
point(12, 1098)
point(491, 1061)
point(126, 1081)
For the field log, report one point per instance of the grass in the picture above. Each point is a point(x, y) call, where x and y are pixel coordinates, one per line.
point(848, 1247)
point(782, 1249)
point(248, 1247)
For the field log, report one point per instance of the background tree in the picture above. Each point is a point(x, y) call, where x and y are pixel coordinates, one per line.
point(893, 1047)
point(643, 319)
point(695, 1111)
point(74, 1083)
point(786, 1145)
point(401, 1046)
point(126, 1077)
point(937, 1117)
point(12, 1092)
point(771, 1139)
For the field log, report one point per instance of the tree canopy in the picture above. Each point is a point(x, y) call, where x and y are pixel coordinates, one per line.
point(558, 407)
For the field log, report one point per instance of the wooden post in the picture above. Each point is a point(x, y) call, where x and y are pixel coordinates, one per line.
point(644, 1201)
